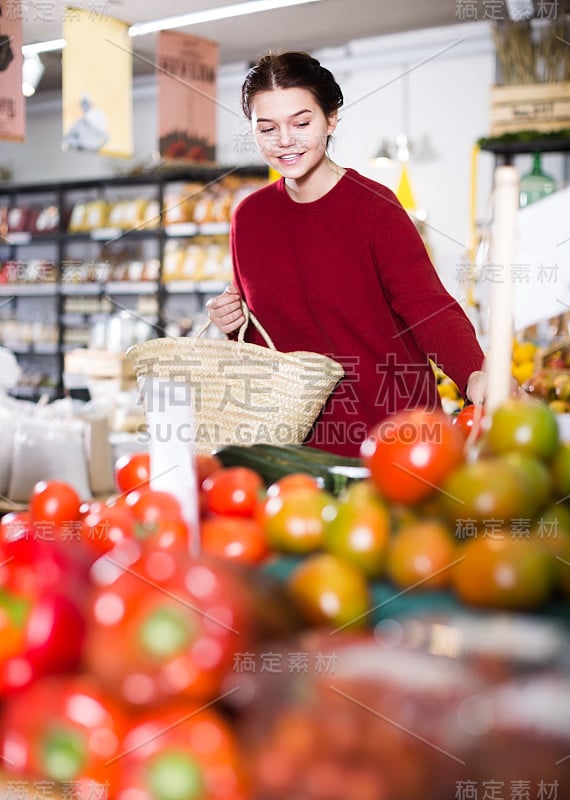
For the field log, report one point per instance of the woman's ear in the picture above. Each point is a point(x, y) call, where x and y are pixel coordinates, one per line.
point(332, 122)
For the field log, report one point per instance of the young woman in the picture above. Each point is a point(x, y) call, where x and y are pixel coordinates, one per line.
point(329, 261)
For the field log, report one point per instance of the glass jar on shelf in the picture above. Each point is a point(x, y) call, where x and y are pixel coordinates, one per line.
point(536, 184)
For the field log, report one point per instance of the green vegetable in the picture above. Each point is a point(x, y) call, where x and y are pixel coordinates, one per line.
point(272, 462)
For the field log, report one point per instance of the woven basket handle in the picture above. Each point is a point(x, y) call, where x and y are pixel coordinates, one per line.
point(249, 315)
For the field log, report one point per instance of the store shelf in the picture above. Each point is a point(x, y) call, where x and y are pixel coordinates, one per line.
point(81, 288)
point(214, 228)
point(73, 319)
point(130, 287)
point(19, 239)
point(37, 349)
point(33, 393)
point(190, 287)
point(80, 254)
point(114, 234)
point(181, 229)
point(511, 145)
point(23, 289)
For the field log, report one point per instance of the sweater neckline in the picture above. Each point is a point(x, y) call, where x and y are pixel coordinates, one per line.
point(314, 205)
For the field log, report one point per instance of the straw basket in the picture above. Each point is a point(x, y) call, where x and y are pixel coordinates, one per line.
point(241, 393)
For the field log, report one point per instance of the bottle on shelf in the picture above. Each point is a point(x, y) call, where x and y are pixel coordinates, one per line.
point(536, 184)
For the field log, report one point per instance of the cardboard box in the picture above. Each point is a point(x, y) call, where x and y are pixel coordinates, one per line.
point(541, 107)
point(100, 364)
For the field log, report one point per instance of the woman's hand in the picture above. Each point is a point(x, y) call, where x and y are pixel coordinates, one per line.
point(478, 388)
point(225, 310)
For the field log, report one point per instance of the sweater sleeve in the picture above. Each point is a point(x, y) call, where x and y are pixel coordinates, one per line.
point(424, 309)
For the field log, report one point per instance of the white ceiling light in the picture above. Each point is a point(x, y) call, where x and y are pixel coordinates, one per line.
point(212, 15)
point(43, 47)
point(32, 71)
point(399, 149)
point(183, 20)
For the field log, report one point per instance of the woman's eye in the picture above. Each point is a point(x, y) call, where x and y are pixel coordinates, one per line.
point(266, 130)
point(302, 124)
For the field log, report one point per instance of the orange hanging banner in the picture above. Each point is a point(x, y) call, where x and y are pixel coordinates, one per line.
point(12, 103)
point(186, 70)
point(97, 64)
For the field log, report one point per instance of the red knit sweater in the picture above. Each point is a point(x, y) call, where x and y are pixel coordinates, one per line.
point(348, 276)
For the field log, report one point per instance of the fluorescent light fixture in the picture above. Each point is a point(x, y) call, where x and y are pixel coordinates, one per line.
point(32, 71)
point(43, 47)
point(183, 20)
point(212, 15)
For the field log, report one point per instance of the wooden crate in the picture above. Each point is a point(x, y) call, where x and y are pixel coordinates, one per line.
point(541, 107)
point(99, 364)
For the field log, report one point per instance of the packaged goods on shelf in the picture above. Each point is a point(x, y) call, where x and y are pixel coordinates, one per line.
point(46, 220)
point(87, 216)
point(112, 242)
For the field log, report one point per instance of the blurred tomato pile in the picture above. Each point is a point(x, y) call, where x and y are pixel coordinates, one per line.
point(123, 659)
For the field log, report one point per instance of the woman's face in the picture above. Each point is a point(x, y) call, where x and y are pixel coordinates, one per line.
point(290, 130)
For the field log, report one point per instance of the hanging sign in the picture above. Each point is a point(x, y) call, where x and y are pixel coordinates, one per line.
point(12, 103)
point(186, 71)
point(97, 84)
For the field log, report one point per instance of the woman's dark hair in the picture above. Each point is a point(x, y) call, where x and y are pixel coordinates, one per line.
point(292, 70)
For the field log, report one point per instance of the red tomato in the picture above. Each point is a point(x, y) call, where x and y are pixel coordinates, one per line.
point(232, 490)
point(64, 729)
point(103, 526)
point(182, 750)
point(469, 417)
point(16, 525)
point(152, 505)
point(165, 534)
point(238, 538)
point(132, 471)
point(206, 463)
point(411, 453)
point(54, 502)
point(169, 625)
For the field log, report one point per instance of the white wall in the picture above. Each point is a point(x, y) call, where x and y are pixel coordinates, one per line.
point(451, 71)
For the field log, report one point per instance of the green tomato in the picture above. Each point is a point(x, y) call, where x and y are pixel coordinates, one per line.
point(490, 489)
point(536, 478)
point(360, 532)
point(295, 522)
point(329, 590)
point(528, 426)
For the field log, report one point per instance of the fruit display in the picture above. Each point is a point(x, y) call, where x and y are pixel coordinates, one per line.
point(549, 378)
point(386, 627)
point(436, 707)
point(523, 360)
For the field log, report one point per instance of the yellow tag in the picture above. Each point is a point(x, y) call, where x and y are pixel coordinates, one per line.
point(404, 191)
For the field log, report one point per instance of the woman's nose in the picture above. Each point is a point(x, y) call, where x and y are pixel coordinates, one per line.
point(285, 137)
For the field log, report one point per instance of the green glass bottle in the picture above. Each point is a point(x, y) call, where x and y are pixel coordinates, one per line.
point(535, 184)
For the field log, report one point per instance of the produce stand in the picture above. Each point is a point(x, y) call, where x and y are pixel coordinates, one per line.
point(389, 602)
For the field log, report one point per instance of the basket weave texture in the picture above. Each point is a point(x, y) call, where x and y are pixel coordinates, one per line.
point(241, 393)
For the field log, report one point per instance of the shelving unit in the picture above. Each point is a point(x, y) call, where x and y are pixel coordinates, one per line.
point(60, 298)
point(510, 145)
